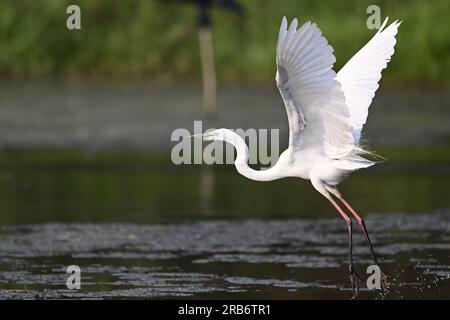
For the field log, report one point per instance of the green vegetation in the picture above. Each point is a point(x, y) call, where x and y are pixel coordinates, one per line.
point(158, 39)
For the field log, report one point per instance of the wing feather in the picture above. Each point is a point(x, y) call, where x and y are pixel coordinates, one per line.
point(360, 75)
point(317, 113)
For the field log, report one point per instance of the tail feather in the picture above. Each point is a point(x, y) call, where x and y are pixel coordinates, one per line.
point(358, 159)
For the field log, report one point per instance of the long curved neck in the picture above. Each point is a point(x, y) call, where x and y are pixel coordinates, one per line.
point(241, 163)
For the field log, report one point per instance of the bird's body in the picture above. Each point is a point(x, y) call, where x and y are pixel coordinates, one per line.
point(309, 163)
point(326, 112)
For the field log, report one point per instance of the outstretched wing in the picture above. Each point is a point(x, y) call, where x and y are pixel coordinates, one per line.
point(315, 103)
point(360, 75)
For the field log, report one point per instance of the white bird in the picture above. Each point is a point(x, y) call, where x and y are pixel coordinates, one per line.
point(326, 113)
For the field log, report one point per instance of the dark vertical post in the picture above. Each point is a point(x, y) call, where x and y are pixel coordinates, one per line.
point(207, 58)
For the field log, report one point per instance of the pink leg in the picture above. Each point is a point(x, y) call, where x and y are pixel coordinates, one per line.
point(363, 228)
point(354, 278)
point(384, 282)
point(341, 212)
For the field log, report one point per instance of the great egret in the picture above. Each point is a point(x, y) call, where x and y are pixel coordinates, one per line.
point(326, 113)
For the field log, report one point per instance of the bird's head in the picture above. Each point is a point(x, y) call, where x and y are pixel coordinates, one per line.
point(216, 135)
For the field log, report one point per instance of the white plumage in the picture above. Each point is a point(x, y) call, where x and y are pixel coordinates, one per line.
point(315, 103)
point(360, 75)
point(326, 111)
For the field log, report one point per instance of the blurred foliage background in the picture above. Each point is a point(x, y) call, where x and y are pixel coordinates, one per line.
point(158, 39)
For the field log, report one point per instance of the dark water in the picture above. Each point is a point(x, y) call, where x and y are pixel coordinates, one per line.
point(138, 227)
point(300, 258)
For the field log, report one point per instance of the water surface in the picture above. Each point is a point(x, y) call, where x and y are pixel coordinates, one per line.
point(293, 258)
point(139, 227)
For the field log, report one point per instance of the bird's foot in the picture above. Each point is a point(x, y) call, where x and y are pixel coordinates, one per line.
point(355, 280)
point(384, 281)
